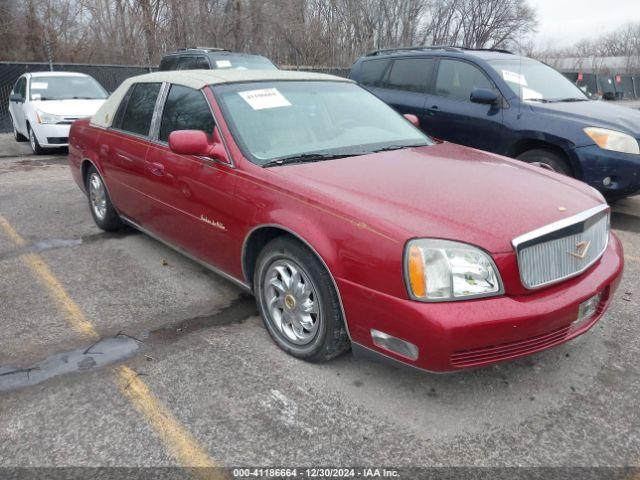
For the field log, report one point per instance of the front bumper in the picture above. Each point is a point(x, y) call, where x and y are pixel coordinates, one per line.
point(455, 335)
point(597, 164)
point(52, 135)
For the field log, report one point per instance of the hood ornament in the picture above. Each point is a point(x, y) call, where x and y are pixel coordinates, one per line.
point(581, 250)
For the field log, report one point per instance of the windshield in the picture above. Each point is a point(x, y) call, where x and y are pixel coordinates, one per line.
point(65, 88)
point(278, 120)
point(243, 62)
point(534, 81)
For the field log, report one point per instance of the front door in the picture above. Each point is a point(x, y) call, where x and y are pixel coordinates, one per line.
point(453, 117)
point(194, 193)
point(17, 108)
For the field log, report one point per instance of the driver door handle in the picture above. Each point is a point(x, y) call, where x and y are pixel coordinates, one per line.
point(157, 169)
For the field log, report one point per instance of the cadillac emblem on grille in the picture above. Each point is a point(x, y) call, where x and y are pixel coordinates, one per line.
point(581, 250)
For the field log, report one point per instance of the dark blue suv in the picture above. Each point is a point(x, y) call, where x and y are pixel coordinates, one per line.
point(511, 105)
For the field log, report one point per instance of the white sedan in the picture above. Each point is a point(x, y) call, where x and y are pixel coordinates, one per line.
point(43, 105)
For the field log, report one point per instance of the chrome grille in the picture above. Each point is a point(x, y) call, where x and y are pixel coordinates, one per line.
point(562, 250)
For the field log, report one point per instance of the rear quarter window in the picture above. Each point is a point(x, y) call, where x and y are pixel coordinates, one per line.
point(372, 72)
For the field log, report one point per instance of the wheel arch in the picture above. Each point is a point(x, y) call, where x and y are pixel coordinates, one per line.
point(526, 144)
point(257, 239)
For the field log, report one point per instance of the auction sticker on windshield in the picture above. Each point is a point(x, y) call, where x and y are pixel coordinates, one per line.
point(264, 98)
point(514, 77)
point(223, 64)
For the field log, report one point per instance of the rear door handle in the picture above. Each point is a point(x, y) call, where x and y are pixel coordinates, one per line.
point(157, 169)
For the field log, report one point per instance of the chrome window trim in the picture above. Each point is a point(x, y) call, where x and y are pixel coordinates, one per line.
point(554, 227)
point(157, 111)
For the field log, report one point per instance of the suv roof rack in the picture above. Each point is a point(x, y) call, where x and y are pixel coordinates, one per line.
point(446, 48)
point(205, 49)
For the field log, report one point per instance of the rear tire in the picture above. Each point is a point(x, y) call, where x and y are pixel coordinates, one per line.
point(33, 141)
point(298, 302)
point(102, 210)
point(547, 159)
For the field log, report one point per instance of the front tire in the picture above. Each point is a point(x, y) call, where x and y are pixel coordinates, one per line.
point(17, 136)
point(546, 159)
point(298, 302)
point(33, 141)
point(102, 210)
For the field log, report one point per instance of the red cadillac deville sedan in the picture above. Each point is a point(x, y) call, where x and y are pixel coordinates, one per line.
point(350, 226)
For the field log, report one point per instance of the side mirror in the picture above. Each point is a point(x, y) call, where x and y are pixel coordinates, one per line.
point(196, 142)
point(412, 119)
point(483, 96)
point(16, 97)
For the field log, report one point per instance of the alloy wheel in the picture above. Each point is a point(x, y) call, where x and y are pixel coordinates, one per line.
point(292, 302)
point(97, 195)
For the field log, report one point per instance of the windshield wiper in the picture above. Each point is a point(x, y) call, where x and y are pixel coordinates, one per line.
point(307, 157)
point(541, 100)
point(571, 99)
point(396, 147)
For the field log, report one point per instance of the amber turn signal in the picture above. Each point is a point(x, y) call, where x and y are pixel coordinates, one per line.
point(417, 280)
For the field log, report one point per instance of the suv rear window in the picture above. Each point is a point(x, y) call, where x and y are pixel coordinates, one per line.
point(192, 62)
point(372, 71)
point(411, 74)
point(137, 114)
point(169, 63)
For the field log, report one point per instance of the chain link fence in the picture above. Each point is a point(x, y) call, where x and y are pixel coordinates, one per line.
point(109, 76)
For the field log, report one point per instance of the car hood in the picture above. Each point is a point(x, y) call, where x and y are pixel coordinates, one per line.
point(442, 191)
point(595, 113)
point(71, 108)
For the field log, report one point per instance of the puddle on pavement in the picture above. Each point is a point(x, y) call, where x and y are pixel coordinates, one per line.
point(121, 347)
point(55, 243)
point(98, 355)
point(30, 164)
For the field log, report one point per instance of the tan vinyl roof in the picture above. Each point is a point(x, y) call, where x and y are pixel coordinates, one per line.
point(197, 79)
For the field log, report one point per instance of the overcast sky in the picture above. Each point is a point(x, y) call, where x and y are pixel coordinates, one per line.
point(564, 22)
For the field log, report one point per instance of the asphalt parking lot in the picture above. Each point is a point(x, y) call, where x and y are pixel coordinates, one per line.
point(117, 351)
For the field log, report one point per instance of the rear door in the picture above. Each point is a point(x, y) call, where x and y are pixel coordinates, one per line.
point(404, 85)
point(453, 117)
point(123, 152)
point(195, 194)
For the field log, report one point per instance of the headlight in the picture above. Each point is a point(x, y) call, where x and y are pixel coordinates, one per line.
point(442, 270)
point(47, 117)
point(612, 140)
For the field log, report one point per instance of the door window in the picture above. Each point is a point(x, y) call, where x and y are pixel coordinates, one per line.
point(185, 109)
point(456, 80)
point(21, 87)
point(411, 74)
point(137, 114)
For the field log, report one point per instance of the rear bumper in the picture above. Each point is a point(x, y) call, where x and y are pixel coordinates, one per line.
point(623, 169)
point(51, 135)
point(456, 335)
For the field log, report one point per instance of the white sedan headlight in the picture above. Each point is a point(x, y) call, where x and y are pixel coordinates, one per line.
point(443, 270)
point(613, 140)
point(47, 117)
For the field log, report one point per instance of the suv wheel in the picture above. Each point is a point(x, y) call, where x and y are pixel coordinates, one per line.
point(546, 159)
point(298, 302)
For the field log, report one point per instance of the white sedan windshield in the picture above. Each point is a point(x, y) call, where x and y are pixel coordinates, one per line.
point(278, 120)
point(66, 88)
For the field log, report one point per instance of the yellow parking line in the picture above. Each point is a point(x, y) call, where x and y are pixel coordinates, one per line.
point(180, 443)
point(632, 258)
